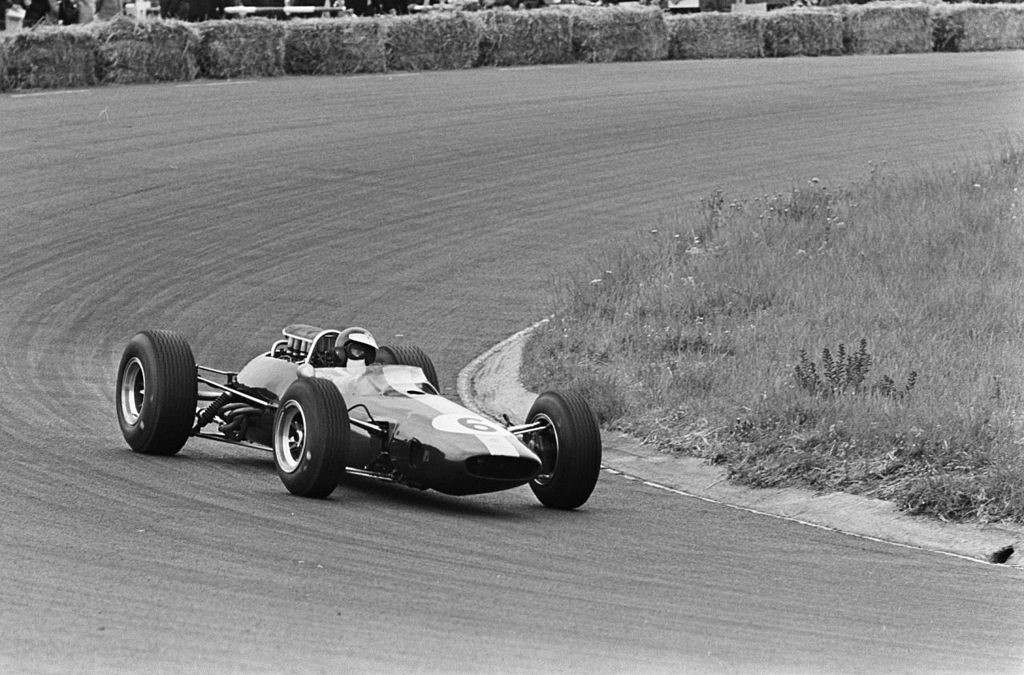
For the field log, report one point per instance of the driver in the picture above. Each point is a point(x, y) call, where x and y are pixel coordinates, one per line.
point(356, 348)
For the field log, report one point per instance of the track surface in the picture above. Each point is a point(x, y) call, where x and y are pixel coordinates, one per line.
point(436, 206)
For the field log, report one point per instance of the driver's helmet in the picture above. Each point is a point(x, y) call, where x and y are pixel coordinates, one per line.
point(358, 345)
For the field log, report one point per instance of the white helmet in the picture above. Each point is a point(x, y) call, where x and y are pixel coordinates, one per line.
point(356, 344)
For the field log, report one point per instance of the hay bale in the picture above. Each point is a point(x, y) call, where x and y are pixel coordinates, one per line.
point(432, 41)
point(603, 34)
point(333, 46)
point(887, 28)
point(522, 38)
point(4, 40)
point(51, 57)
point(241, 48)
point(803, 32)
point(131, 51)
point(715, 36)
point(974, 28)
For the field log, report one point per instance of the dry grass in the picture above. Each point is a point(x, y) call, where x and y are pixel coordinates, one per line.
point(51, 57)
point(888, 28)
point(525, 38)
point(131, 51)
point(4, 39)
point(251, 47)
point(432, 41)
point(692, 336)
point(803, 32)
point(712, 35)
point(334, 47)
point(968, 27)
point(607, 34)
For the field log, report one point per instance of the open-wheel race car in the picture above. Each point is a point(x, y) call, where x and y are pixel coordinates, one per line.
point(331, 402)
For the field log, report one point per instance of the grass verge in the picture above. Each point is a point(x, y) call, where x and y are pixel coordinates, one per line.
point(867, 339)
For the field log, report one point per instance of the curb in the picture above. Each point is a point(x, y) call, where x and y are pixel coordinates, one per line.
point(490, 385)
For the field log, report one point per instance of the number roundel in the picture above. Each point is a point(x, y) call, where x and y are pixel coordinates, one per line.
point(461, 423)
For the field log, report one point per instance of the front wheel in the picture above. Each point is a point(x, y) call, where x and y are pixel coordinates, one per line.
point(311, 437)
point(569, 447)
point(156, 392)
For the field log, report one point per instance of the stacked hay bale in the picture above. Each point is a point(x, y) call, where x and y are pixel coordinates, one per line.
point(618, 34)
point(523, 38)
point(3, 61)
point(51, 57)
point(433, 41)
point(970, 28)
point(334, 46)
point(887, 28)
point(803, 32)
point(131, 51)
point(715, 36)
point(241, 48)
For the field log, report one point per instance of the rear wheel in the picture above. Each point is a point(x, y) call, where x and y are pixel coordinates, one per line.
point(569, 448)
point(409, 355)
point(311, 437)
point(156, 392)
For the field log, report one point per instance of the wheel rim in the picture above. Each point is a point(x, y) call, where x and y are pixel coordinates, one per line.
point(545, 444)
point(290, 437)
point(133, 390)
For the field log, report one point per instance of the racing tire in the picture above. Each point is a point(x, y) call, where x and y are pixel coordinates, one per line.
point(311, 437)
point(156, 392)
point(409, 355)
point(569, 448)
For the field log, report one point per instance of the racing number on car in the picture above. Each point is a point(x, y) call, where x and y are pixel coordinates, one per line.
point(465, 424)
point(476, 424)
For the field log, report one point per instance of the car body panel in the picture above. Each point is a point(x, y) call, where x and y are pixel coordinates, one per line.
point(431, 442)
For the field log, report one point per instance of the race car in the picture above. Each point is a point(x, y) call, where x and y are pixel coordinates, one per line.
point(330, 402)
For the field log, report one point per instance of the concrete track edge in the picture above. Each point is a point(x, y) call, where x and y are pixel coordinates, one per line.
point(490, 385)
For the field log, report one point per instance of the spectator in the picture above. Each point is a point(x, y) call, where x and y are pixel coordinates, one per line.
point(358, 7)
point(40, 12)
point(107, 9)
point(174, 9)
point(86, 10)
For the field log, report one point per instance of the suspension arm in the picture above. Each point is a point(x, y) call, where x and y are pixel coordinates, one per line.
point(529, 428)
point(248, 397)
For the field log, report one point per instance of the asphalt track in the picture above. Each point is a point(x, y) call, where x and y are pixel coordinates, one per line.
point(437, 207)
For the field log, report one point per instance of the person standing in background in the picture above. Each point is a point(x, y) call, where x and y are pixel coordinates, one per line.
point(86, 10)
point(40, 12)
point(107, 9)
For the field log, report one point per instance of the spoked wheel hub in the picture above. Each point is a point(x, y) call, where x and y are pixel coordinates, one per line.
point(545, 444)
point(290, 439)
point(133, 390)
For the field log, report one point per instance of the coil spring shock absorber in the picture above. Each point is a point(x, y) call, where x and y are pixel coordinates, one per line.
point(206, 415)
